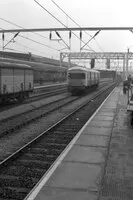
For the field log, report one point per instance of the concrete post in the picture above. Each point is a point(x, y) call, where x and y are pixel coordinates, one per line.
point(124, 74)
point(127, 63)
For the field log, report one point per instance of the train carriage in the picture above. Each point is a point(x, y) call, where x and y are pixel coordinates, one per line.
point(80, 78)
point(42, 72)
point(16, 81)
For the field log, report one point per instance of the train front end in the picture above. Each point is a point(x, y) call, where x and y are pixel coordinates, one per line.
point(76, 80)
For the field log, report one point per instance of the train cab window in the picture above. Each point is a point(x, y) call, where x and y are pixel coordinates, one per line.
point(76, 75)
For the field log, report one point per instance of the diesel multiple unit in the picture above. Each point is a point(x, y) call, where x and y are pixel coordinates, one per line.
point(81, 78)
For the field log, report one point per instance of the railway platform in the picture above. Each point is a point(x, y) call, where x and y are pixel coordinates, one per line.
point(98, 163)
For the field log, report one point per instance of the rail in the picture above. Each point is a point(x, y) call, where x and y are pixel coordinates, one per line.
point(21, 171)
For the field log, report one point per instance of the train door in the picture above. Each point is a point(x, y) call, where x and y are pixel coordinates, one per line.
point(94, 77)
point(90, 78)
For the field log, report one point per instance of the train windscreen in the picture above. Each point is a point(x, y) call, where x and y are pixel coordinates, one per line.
point(76, 75)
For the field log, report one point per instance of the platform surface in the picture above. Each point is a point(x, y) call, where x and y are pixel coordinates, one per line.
point(98, 163)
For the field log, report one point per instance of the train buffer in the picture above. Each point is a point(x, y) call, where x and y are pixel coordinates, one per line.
point(130, 98)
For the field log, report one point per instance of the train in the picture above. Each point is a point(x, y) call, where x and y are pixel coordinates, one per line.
point(16, 81)
point(48, 73)
point(81, 78)
point(42, 72)
point(18, 77)
point(31, 57)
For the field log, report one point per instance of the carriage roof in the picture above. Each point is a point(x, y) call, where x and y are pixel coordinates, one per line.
point(85, 69)
point(37, 66)
point(14, 65)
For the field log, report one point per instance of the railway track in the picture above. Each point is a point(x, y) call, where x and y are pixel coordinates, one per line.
point(41, 92)
point(38, 94)
point(19, 120)
point(21, 171)
point(47, 92)
point(15, 122)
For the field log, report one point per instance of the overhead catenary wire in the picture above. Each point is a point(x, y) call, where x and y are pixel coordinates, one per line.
point(24, 46)
point(92, 37)
point(59, 21)
point(35, 41)
point(7, 21)
point(13, 49)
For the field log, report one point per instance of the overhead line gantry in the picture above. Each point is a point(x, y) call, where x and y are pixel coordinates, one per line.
point(68, 29)
point(81, 55)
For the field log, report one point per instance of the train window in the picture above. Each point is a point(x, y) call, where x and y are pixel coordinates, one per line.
point(76, 75)
point(92, 75)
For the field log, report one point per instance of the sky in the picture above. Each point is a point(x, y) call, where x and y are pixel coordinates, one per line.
point(86, 13)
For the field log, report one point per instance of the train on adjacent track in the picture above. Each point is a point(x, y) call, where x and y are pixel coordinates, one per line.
point(81, 78)
point(16, 81)
point(12, 77)
point(42, 72)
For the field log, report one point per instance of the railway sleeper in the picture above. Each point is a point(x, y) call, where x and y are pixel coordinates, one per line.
point(45, 145)
point(23, 171)
point(73, 124)
point(48, 151)
point(13, 193)
point(41, 149)
point(33, 164)
point(17, 181)
point(66, 129)
point(55, 146)
point(64, 132)
point(56, 136)
point(52, 144)
point(39, 157)
point(58, 140)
